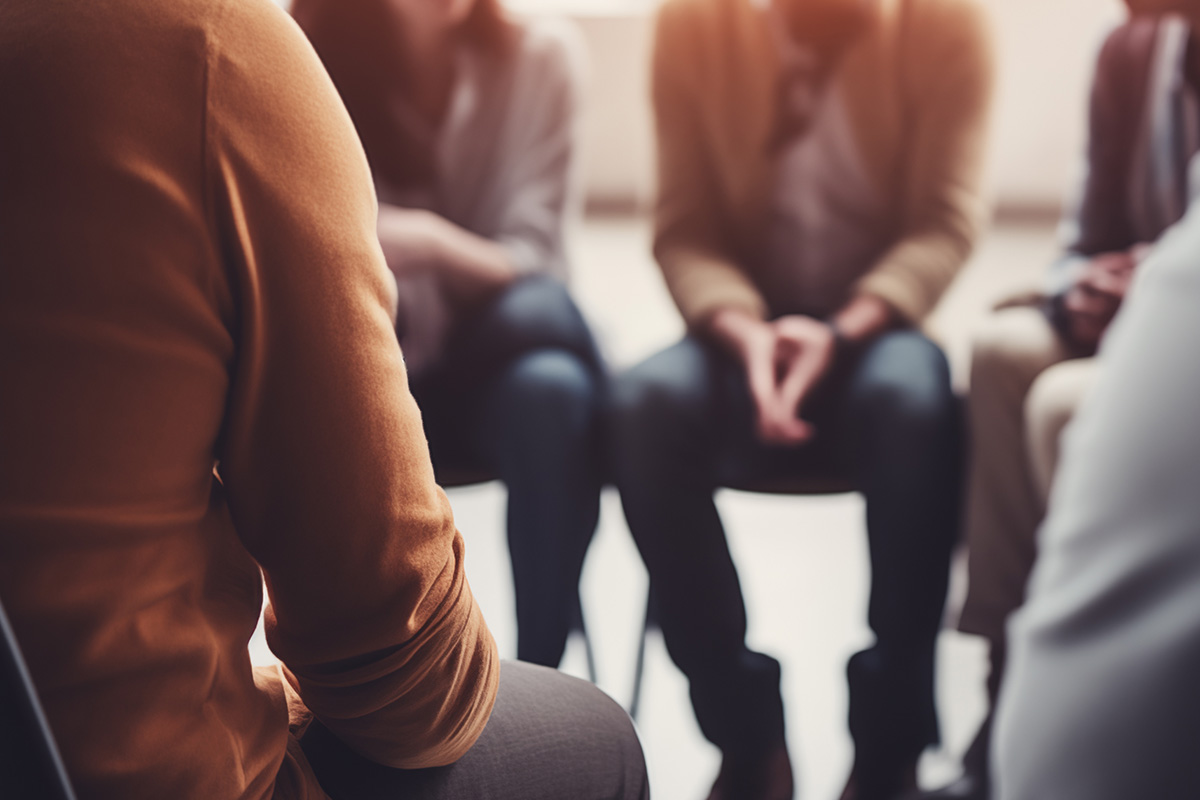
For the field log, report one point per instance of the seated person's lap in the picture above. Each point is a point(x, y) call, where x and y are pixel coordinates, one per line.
point(695, 384)
point(550, 736)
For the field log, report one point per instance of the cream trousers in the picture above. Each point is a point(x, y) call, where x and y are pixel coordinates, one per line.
point(1025, 388)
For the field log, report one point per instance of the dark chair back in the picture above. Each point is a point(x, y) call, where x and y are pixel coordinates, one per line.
point(30, 765)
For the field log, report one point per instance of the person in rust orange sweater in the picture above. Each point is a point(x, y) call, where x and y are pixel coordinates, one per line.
point(202, 388)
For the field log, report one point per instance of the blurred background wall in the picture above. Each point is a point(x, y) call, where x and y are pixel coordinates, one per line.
point(1046, 51)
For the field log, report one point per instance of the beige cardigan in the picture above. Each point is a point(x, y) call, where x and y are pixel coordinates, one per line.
point(918, 84)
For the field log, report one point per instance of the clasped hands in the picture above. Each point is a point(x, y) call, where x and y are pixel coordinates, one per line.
point(1090, 304)
point(784, 359)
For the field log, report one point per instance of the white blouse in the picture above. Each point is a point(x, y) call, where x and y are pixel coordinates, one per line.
point(505, 154)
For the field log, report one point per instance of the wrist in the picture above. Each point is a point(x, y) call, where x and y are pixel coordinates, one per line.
point(734, 327)
point(842, 343)
point(862, 319)
point(432, 237)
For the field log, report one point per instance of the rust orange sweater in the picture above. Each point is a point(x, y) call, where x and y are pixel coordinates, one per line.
point(189, 275)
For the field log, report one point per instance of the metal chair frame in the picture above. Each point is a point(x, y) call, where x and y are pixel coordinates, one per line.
point(31, 767)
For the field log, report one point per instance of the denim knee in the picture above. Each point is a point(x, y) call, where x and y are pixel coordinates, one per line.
point(903, 384)
point(550, 385)
point(538, 311)
point(664, 391)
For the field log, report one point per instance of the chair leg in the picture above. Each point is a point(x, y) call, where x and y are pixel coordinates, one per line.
point(577, 623)
point(639, 670)
point(30, 764)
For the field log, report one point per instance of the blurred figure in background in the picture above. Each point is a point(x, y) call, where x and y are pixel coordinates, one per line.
point(1033, 362)
point(820, 166)
point(202, 389)
point(468, 120)
point(1100, 701)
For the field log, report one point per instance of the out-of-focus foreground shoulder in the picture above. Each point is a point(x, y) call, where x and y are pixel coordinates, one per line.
point(272, 104)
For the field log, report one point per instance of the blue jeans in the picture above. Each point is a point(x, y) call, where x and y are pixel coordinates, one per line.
point(518, 395)
point(888, 423)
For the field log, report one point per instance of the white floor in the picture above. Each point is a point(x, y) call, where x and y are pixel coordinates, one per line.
point(802, 561)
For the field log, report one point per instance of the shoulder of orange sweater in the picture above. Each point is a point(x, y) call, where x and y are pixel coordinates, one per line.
point(260, 58)
point(261, 25)
point(276, 122)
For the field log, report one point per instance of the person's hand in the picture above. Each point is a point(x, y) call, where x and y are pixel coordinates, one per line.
point(470, 267)
point(804, 352)
point(1092, 302)
point(411, 238)
point(783, 360)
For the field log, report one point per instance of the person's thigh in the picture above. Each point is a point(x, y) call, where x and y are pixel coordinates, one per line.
point(901, 430)
point(886, 404)
point(690, 406)
point(1010, 350)
point(1003, 507)
point(1049, 407)
point(540, 412)
point(550, 737)
point(535, 312)
point(679, 418)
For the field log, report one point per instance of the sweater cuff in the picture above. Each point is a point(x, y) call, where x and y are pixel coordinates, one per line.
point(902, 293)
point(702, 285)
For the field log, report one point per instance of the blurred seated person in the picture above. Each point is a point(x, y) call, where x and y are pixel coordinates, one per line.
point(203, 389)
point(1100, 699)
point(1033, 362)
point(468, 118)
point(819, 189)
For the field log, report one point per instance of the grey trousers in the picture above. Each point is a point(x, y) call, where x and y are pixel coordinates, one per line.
point(550, 737)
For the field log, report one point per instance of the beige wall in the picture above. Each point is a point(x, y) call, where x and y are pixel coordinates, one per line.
point(1046, 51)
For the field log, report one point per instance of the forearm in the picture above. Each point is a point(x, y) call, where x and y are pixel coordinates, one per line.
point(864, 318)
point(469, 265)
point(730, 328)
point(418, 703)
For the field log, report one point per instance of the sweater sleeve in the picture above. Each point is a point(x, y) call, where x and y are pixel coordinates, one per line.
point(691, 237)
point(1099, 219)
point(947, 101)
point(323, 457)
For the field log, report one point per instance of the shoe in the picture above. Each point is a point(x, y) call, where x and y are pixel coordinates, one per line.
point(765, 777)
point(968, 787)
point(903, 785)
